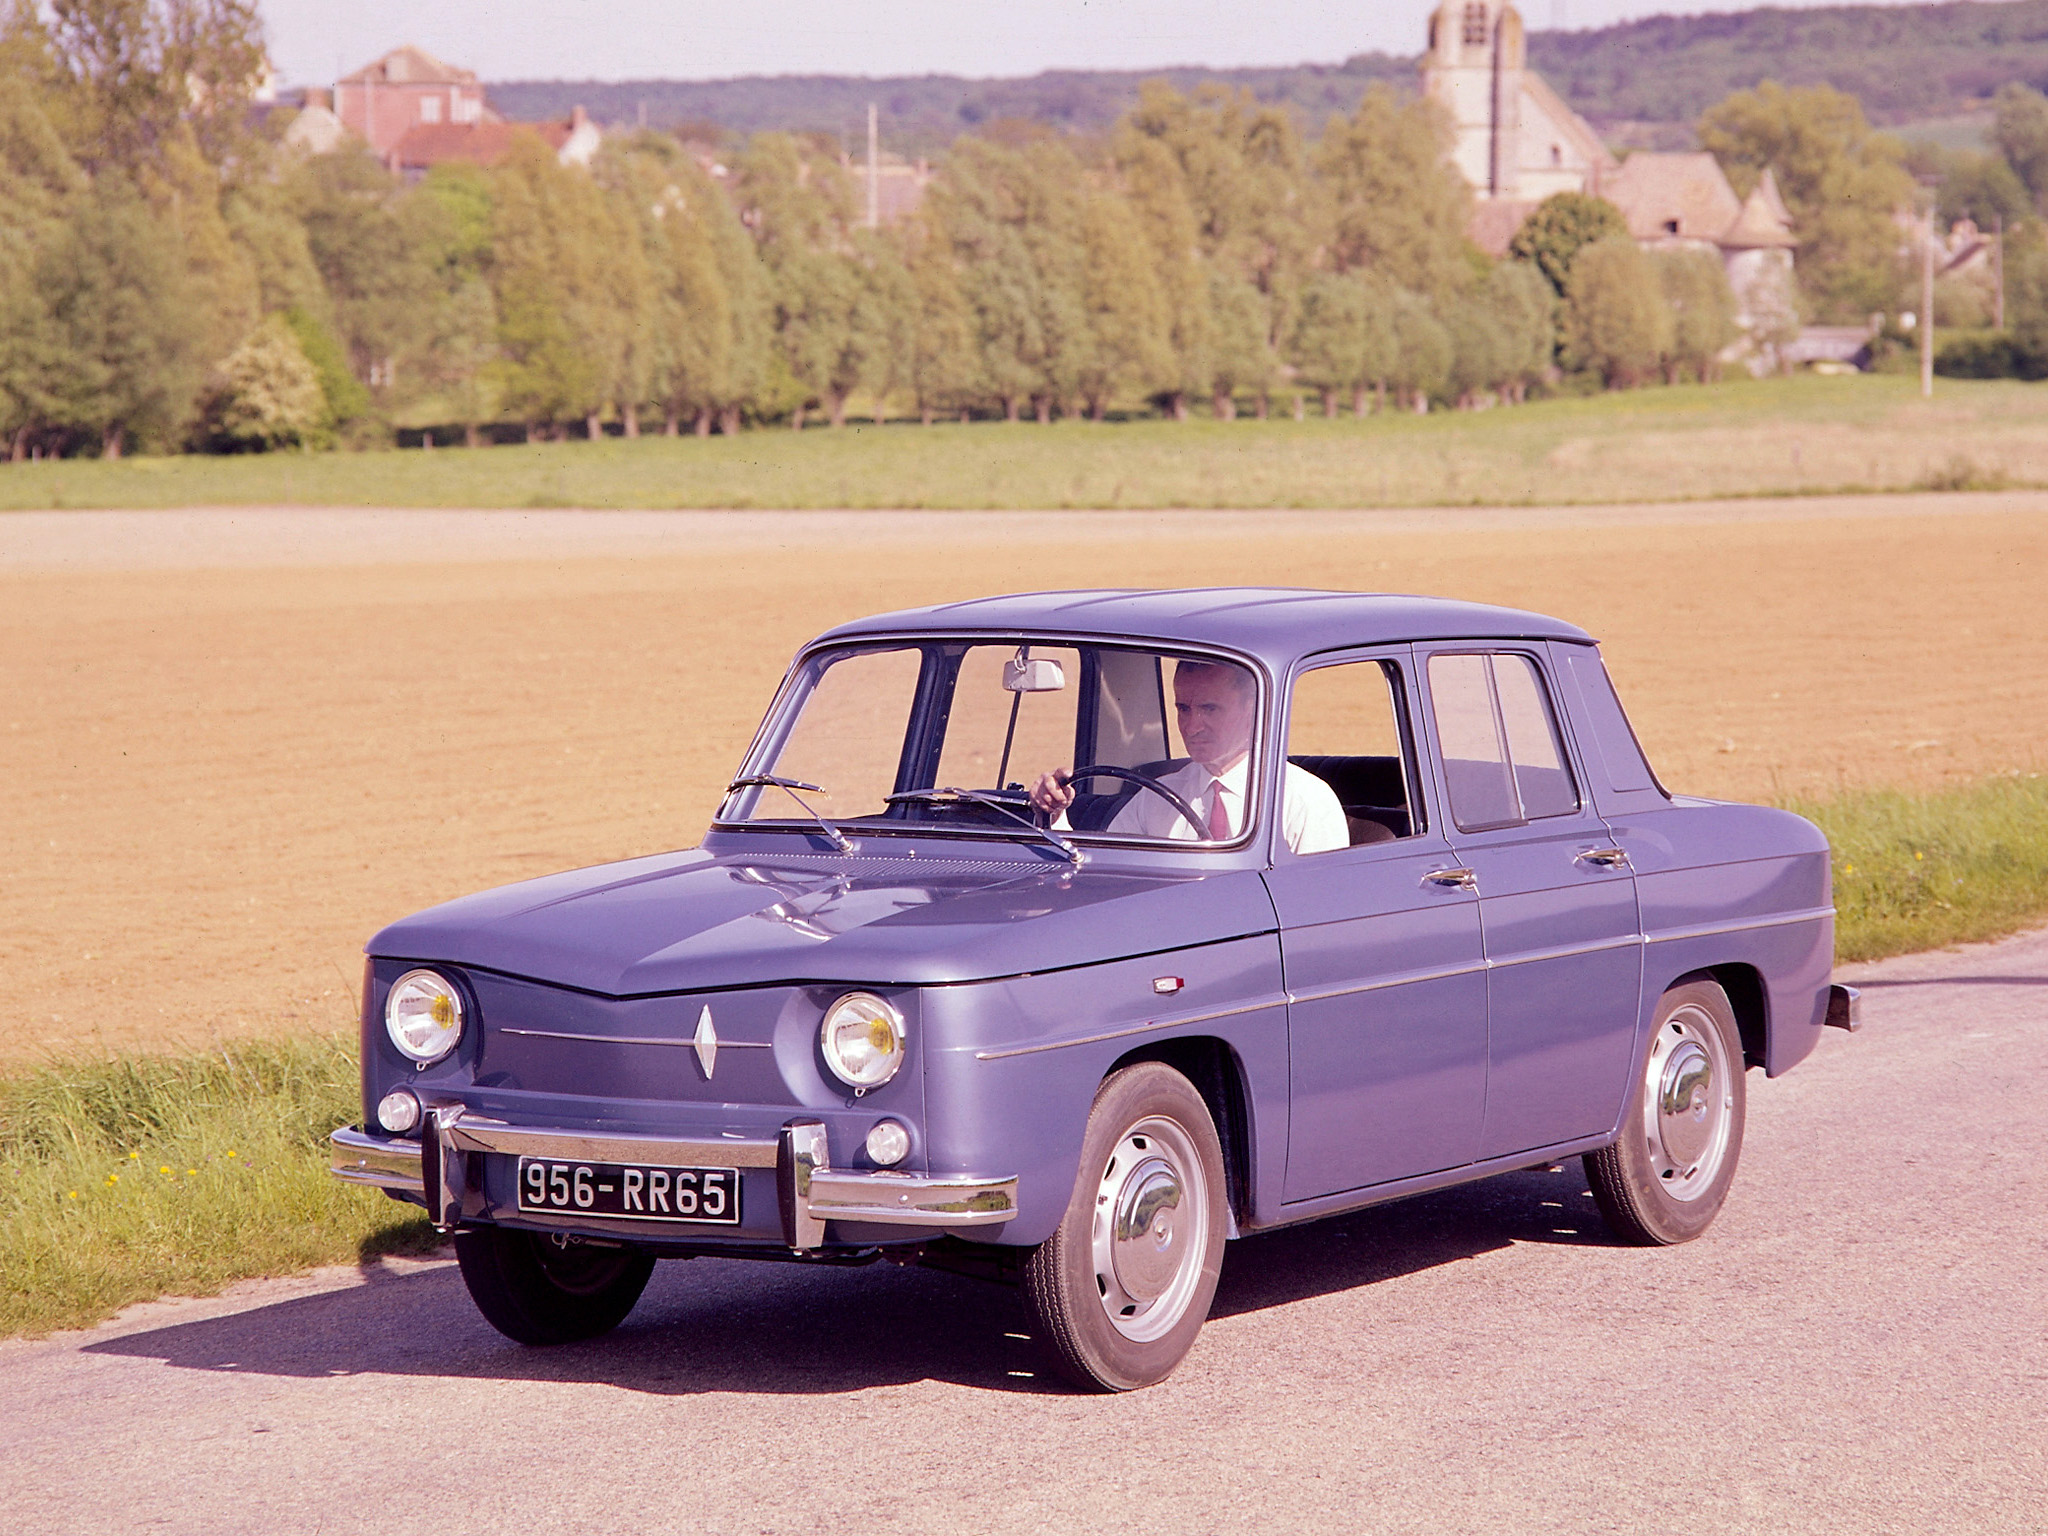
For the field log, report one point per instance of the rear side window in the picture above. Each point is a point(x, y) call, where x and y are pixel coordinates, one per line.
point(1620, 754)
point(1503, 759)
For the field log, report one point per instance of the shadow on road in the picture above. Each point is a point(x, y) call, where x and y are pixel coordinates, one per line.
point(716, 1325)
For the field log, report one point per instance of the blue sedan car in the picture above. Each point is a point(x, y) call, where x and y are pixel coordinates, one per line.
point(1064, 938)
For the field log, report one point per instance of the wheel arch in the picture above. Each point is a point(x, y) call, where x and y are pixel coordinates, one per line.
point(1743, 985)
point(1218, 1076)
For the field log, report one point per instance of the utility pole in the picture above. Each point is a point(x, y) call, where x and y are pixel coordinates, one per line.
point(874, 170)
point(1927, 307)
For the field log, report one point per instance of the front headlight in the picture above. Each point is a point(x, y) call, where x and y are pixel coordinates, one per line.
point(863, 1040)
point(423, 1015)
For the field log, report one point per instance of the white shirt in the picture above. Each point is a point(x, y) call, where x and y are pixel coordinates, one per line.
point(1310, 817)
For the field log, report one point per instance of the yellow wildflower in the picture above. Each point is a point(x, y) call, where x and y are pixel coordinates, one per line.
point(72, 1196)
point(136, 1156)
point(231, 1152)
point(191, 1173)
point(164, 1168)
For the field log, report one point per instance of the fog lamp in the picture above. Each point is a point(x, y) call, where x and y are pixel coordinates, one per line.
point(862, 1038)
point(423, 1015)
point(888, 1144)
point(398, 1111)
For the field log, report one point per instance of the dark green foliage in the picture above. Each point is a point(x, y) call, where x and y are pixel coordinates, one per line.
point(1841, 179)
point(2020, 133)
point(1905, 62)
point(1560, 227)
point(342, 392)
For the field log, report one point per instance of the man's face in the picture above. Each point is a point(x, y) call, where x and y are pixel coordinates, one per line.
point(1215, 715)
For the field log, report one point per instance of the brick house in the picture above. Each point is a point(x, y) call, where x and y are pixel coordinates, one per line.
point(407, 88)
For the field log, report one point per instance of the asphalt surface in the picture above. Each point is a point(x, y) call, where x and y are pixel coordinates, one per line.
point(1859, 1344)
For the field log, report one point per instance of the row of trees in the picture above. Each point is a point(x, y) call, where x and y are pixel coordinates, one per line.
point(169, 275)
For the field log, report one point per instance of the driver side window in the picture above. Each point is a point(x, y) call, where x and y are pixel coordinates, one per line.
point(1345, 727)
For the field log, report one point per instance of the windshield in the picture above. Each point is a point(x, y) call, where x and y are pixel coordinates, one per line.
point(1091, 741)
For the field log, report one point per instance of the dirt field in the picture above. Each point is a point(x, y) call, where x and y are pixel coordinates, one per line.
point(233, 744)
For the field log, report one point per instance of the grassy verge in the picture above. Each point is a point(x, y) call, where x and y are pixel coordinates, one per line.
point(1917, 871)
point(128, 1178)
point(1770, 437)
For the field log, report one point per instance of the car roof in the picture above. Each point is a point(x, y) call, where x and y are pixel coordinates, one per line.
point(1275, 624)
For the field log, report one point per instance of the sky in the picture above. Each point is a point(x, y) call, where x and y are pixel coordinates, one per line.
point(313, 41)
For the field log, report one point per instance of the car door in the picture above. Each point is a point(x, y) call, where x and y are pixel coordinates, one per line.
point(1557, 901)
point(1383, 964)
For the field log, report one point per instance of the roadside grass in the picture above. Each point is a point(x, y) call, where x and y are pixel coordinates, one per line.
point(1916, 871)
point(1804, 435)
point(127, 1178)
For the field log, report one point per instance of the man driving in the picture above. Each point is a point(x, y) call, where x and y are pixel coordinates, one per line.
point(1215, 705)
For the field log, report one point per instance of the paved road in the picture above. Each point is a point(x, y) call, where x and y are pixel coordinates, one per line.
point(1860, 1344)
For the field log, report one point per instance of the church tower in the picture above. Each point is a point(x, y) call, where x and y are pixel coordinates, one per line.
point(1474, 67)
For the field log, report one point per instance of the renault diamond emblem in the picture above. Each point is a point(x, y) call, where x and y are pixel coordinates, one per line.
point(707, 1043)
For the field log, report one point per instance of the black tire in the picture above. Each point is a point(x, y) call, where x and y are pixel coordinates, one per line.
point(1119, 1292)
point(539, 1290)
point(1664, 1178)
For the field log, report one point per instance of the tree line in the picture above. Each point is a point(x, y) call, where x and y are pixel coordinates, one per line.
point(172, 276)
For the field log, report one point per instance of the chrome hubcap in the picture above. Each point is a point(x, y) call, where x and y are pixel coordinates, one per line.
point(1689, 1104)
point(1151, 1229)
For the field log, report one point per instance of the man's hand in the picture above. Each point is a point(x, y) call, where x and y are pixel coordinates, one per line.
point(1051, 794)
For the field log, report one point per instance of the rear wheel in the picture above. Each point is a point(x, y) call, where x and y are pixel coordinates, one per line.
point(540, 1288)
point(1665, 1177)
point(1119, 1292)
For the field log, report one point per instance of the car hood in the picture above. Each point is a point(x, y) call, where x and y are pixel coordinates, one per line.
point(694, 921)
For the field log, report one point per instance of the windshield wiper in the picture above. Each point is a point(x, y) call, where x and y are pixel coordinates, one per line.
point(790, 787)
point(949, 796)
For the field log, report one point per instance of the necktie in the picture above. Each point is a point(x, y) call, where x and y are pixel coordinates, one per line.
point(1219, 818)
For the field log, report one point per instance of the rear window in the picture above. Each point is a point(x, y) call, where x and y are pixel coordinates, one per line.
point(1504, 761)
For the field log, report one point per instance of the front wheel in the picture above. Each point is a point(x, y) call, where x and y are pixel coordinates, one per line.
point(543, 1289)
point(1664, 1178)
point(1119, 1292)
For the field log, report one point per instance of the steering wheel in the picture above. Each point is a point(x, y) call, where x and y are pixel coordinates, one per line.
point(1146, 781)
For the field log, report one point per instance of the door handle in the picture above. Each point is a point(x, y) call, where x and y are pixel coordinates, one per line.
point(1605, 858)
point(1454, 879)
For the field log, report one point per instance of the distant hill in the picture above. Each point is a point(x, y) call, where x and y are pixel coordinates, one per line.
point(924, 113)
point(1906, 63)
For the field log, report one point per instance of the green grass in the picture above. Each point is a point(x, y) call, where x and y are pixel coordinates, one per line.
point(1917, 871)
point(1801, 435)
point(127, 1178)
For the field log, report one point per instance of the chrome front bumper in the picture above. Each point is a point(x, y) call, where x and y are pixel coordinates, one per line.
point(809, 1191)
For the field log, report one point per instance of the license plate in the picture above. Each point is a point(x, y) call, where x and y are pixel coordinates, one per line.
point(629, 1191)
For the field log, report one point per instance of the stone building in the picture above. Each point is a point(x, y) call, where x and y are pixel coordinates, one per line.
point(1517, 142)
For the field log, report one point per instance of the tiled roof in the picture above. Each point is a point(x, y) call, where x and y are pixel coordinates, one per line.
point(1763, 221)
point(1656, 192)
point(410, 65)
point(429, 144)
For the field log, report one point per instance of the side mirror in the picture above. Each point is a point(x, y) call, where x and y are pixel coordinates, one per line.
point(1036, 675)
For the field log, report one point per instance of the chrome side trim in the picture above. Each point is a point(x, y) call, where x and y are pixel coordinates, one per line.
point(1405, 978)
point(471, 1134)
point(688, 1043)
point(903, 1199)
point(1163, 1021)
point(361, 1159)
point(1565, 952)
point(1739, 925)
